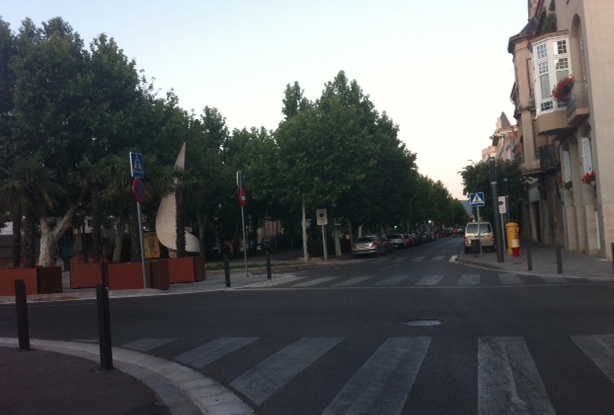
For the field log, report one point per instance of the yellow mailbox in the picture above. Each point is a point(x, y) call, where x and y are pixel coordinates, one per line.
point(512, 230)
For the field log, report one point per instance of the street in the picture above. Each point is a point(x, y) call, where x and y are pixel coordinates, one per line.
point(405, 333)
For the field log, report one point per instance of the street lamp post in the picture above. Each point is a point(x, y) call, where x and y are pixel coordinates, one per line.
point(495, 200)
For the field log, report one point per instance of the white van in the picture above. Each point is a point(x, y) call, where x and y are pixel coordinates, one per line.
point(482, 231)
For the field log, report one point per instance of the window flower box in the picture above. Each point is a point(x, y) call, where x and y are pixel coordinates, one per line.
point(589, 178)
point(561, 91)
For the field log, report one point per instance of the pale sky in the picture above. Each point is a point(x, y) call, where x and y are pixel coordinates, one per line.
point(439, 68)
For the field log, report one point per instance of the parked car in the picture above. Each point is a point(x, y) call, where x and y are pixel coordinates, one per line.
point(368, 245)
point(479, 231)
point(409, 240)
point(387, 244)
point(397, 239)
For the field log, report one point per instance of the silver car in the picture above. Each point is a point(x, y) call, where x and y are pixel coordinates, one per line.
point(368, 245)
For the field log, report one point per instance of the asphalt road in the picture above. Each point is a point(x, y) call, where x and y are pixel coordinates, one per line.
point(406, 333)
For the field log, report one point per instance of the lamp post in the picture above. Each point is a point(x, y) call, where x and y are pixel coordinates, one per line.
point(495, 200)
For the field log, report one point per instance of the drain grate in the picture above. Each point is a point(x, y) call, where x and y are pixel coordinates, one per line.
point(423, 322)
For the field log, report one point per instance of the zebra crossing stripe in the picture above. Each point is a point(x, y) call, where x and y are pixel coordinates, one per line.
point(317, 281)
point(418, 258)
point(469, 279)
point(351, 281)
point(145, 345)
point(600, 349)
point(382, 384)
point(263, 380)
point(430, 280)
point(510, 279)
point(508, 380)
point(390, 281)
point(438, 258)
point(207, 353)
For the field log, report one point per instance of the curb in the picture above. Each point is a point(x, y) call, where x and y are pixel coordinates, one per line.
point(183, 390)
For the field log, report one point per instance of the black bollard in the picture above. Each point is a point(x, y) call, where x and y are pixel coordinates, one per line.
point(227, 271)
point(529, 257)
point(559, 260)
point(613, 253)
point(104, 328)
point(21, 303)
point(268, 265)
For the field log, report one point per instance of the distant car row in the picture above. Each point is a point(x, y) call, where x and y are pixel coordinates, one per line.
point(376, 245)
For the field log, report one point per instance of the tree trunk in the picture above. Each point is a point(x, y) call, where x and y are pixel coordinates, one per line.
point(304, 222)
point(17, 240)
point(135, 240)
point(119, 238)
point(338, 252)
point(29, 240)
point(96, 223)
point(180, 220)
point(51, 236)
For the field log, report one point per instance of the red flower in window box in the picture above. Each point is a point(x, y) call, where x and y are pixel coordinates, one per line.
point(588, 178)
point(561, 91)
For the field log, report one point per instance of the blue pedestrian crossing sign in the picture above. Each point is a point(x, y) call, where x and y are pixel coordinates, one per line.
point(137, 165)
point(477, 199)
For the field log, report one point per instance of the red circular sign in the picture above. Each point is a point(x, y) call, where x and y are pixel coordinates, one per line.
point(138, 190)
point(242, 197)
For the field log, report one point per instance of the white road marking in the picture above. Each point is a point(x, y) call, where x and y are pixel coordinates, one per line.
point(382, 384)
point(508, 380)
point(263, 380)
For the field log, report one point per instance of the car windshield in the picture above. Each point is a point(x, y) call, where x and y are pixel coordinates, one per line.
point(395, 236)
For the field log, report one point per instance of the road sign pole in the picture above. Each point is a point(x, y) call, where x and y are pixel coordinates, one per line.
point(138, 209)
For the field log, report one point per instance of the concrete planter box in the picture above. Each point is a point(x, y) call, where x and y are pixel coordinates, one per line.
point(85, 275)
point(124, 275)
point(49, 280)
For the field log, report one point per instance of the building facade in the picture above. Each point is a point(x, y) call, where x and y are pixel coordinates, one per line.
point(562, 95)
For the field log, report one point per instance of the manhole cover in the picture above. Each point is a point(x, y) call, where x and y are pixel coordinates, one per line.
point(423, 322)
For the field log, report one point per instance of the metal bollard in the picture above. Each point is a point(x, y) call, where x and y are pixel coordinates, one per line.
point(104, 328)
point(559, 260)
point(21, 303)
point(227, 270)
point(529, 257)
point(268, 265)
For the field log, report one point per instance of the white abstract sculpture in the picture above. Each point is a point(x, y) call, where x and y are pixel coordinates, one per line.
point(166, 219)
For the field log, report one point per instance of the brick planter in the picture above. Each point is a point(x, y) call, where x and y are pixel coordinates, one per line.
point(85, 275)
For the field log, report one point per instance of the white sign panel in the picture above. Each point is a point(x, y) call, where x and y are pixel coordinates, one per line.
point(321, 215)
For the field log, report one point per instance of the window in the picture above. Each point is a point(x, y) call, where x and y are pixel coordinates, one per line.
point(561, 47)
point(542, 52)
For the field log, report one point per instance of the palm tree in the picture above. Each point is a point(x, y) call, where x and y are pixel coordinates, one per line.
point(31, 191)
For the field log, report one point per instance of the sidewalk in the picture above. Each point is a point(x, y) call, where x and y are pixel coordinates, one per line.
point(544, 263)
point(61, 377)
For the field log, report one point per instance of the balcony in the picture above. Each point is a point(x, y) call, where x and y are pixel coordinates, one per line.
point(548, 157)
point(552, 121)
point(577, 107)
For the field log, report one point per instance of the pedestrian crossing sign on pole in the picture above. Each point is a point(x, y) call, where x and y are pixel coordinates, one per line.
point(477, 199)
point(137, 165)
